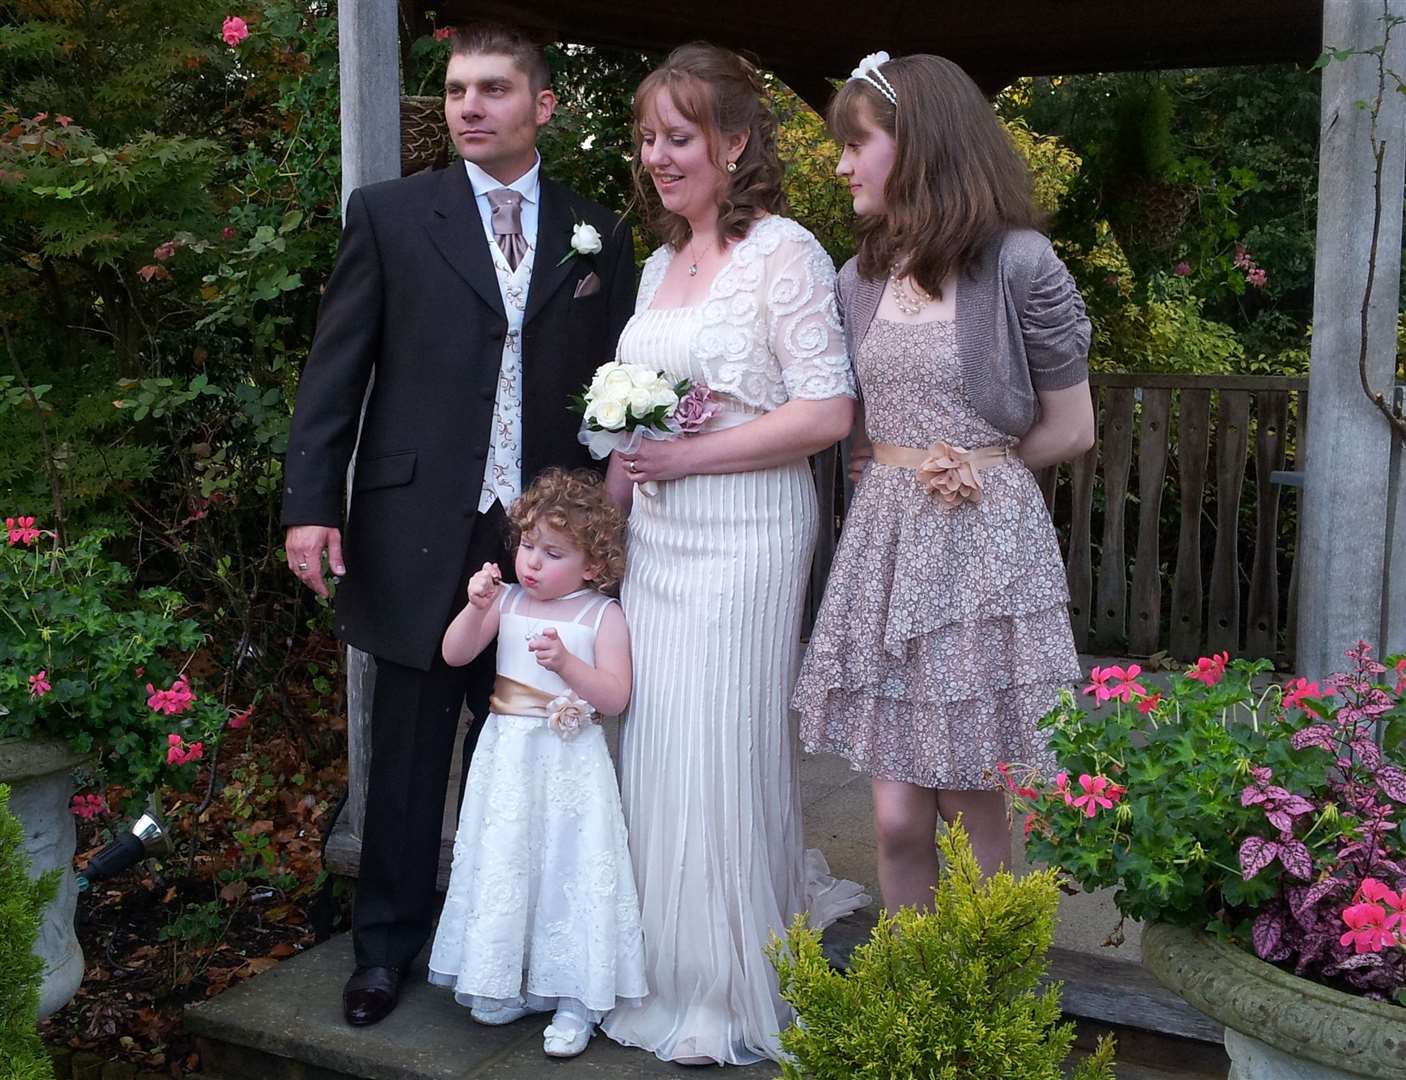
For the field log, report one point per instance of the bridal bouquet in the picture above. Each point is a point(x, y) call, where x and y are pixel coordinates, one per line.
point(627, 403)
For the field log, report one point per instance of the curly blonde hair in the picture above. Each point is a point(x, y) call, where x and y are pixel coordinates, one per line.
point(573, 502)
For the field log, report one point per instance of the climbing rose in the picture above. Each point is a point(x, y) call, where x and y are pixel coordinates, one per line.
point(234, 31)
point(39, 685)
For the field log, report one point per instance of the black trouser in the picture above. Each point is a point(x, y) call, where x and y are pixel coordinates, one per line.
point(414, 715)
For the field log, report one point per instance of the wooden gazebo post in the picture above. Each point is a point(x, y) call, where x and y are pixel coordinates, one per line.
point(1350, 549)
point(369, 48)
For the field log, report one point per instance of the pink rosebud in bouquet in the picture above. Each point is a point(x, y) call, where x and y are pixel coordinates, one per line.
point(39, 685)
point(696, 408)
point(234, 31)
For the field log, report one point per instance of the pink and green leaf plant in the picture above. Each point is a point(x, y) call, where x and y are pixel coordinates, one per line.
point(1268, 814)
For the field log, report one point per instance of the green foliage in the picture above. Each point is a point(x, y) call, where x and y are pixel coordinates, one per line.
point(81, 650)
point(949, 994)
point(22, 904)
point(1167, 332)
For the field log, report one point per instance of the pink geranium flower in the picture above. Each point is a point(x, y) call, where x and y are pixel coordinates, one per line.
point(1182, 268)
point(1296, 690)
point(164, 251)
point(173, 701)
point(1062, 787)
point(234, 31)
point(88, 806)
point(1113, 683)
point(39, 685)
point(1373, 891)
point(1369, 928)
point(1256, 277)
point(1210, 669)
point(21, 530)
point(180, 752)
point(1147, 704)
point(1099, 793)
point(241, 720)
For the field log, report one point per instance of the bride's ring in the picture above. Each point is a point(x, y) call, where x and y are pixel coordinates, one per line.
point(632, 466)
point(302, 566)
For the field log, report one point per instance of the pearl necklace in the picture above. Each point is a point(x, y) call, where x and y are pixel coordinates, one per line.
point(910, 303)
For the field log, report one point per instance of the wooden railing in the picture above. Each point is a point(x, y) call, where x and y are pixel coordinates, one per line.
point(1167, 483)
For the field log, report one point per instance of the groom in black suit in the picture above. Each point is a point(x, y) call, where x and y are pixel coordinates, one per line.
point(470, 357)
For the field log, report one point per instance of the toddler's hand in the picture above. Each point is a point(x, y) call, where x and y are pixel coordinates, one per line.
point(549, 650)
point(484, 586)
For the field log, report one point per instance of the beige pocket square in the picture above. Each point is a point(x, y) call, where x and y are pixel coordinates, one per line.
point(587, 286)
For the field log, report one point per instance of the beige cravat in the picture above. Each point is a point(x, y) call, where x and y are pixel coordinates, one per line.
point(506, 220)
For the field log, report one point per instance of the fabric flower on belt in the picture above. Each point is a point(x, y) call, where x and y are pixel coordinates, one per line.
point(568, 715)
point(950, 474)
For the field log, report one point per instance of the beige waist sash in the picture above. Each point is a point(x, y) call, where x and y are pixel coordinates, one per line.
point(952, 473)
point(513, 698)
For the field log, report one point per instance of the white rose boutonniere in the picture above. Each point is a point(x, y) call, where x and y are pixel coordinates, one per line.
point(585, 240)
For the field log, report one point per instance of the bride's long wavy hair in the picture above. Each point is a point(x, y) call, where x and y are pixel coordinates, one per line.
point(724, 95)
point(957, 179)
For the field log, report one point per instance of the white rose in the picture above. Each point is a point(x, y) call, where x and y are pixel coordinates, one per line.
point(585, 240)
point(617, 383)
point(641, 403)
point(598, 380)
point(662, 393)
point(609, 413)
point(641, 378)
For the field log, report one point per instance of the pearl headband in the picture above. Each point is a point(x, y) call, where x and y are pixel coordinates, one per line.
point(868, 70)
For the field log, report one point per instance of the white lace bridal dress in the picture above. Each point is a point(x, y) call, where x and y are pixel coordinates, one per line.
point(713, 593)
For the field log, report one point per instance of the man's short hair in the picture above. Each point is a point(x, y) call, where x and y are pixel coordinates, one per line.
point(499, 39)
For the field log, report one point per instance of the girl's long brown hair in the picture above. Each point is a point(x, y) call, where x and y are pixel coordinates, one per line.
point(724, 95)
point(957, 180)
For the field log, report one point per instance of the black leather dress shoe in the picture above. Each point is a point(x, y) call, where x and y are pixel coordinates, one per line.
point(370, 995)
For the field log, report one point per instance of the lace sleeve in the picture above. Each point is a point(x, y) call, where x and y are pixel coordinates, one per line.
point(651, 275)
point(803, 324)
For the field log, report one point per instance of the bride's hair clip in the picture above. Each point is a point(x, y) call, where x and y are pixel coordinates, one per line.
point(868, 70)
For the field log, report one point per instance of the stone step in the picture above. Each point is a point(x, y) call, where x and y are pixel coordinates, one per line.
point(287, 1024)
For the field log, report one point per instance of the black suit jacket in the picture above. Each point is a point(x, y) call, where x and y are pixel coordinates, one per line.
point(413, 309)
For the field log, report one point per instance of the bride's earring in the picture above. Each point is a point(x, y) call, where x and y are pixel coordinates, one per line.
point(732, 166)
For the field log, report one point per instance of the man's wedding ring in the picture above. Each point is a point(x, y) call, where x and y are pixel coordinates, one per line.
point(302, 566)
point(632, 466)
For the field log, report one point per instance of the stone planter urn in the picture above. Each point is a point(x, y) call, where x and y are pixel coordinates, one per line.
point(40, 777)
point(1277, 1026)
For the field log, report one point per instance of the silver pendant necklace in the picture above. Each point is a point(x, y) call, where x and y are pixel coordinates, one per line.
point(693, 267)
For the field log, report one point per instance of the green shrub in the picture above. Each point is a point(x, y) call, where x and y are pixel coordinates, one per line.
point(949, 994)
point(22, 901)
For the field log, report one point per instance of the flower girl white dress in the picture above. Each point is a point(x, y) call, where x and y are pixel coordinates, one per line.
point(541, 908)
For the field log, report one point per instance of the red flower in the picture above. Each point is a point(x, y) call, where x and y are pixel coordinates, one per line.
point(1256, 277)
point(229, 233)
point(171, 702)
point(179, 752)
point(234, 31)
point(40, 117)
point(88, 806)
point(444, 33)
point(63, 121)
point(1210, 669)
point(1147, 704)
point(154, 272)
point(242, 719)
point(1103, 688)
point(1099, 793)
point(1062, 787)
point(22, 530)
point(164, 251)
point(1297, 689)
point(1182, 268)
point(1401, 675)
point(1370, 929)
point(39, 685)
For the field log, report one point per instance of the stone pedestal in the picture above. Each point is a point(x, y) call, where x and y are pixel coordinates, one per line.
point(40, 778)
point(1277, 1026)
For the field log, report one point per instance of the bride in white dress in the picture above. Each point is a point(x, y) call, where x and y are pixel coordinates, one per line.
point(719, 557)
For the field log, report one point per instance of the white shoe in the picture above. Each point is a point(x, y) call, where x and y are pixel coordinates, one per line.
point(567, 1035)
point(501, 1014)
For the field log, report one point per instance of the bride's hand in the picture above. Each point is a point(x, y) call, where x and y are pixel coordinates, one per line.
point(658, 459)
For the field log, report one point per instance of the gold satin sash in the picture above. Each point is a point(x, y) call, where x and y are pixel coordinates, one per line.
point(513, 698)
point(952, 473)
